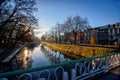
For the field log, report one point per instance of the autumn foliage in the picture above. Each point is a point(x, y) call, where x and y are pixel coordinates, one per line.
point(92, 40)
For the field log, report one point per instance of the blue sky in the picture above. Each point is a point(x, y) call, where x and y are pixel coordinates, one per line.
point(98, 12)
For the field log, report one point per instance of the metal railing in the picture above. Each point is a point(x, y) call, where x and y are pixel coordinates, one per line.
point(79, 69)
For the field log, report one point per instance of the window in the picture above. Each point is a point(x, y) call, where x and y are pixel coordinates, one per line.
point(117, 24)
point(119, 30)
point(113, 25)
point(115, 30)
point(111, 37)
point(108, 26)
point(111, 31)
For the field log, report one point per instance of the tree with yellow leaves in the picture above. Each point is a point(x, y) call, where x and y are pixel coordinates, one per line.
point(92, 40)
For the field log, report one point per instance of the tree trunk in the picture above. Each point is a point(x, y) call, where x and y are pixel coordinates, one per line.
point(75, 38)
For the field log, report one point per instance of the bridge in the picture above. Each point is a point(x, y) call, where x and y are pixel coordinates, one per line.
point(79, 69)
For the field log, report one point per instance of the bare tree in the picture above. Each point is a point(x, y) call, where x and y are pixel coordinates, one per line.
point(72, 28)
point(78, 25)
point(16, 19)
point(67, 27)
point(59, 31)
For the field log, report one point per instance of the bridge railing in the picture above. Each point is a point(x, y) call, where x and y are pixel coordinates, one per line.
point(70, 70)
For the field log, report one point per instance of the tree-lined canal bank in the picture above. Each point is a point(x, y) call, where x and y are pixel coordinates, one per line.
point(77, 52)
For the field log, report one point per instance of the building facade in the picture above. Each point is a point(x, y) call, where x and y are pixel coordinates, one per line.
point(114, 33)
point(105, 35)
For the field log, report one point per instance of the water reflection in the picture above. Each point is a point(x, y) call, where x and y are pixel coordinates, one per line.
point(54, 57)
point(39, 56)
point(25, 58)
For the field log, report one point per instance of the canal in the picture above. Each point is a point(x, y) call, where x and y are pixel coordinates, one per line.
point(39, 55)
point(36, 56)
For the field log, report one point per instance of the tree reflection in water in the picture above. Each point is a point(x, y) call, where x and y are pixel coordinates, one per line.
point(25, 58)
point(54, 56)
point(36, 56)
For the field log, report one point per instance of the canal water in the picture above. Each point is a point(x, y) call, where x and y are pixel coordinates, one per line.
point(37, 56)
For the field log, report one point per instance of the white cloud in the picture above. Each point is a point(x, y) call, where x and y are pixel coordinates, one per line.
point(40, 32)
